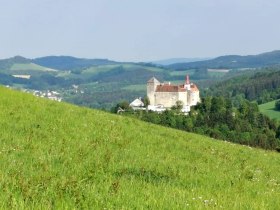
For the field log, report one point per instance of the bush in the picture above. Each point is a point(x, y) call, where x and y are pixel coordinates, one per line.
point(277, 105)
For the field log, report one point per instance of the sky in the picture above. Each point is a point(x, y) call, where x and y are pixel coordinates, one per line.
point(138, 30)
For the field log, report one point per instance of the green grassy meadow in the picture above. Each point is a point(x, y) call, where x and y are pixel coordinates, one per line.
point(29, 67)
point(217, 74)
point(182, 73)
point(59, 156)
point(126, 67)
point(98, 69)
point(268, 109)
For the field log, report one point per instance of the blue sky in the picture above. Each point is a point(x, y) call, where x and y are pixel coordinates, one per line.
point(142, 30)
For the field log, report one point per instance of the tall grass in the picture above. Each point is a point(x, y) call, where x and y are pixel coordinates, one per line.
point(59, 156)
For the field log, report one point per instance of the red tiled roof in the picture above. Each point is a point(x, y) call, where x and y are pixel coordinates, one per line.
point(194, 87)
point(174, 88)
point(170, 88)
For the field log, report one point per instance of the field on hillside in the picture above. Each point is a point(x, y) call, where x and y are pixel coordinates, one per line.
point(59, 156)
point(214, 74)
point(182, 73)
point(268, 109)
point(29, 67)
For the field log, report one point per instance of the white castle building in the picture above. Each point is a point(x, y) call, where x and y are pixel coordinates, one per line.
point(165, 95)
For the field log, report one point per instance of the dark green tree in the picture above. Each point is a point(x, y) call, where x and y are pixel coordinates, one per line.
point(124, 105)
point(277, 105)
point(178, 106)
point(146, 101)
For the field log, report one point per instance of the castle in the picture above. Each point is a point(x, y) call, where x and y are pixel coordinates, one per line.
point(165, 95)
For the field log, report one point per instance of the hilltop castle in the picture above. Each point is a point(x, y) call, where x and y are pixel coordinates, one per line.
point(165, 95)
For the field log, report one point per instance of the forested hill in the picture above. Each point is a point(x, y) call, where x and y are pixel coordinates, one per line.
point(233, 61)
point(9, 62)
point(70, 63)
point(262, 86)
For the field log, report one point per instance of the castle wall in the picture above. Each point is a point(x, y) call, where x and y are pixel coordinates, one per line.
point(194, 98)
point(169, 99)
point(183, 96)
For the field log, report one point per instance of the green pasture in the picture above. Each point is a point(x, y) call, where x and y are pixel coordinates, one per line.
point(98, 69)
point(182, 73)
point(30, 67)
point(126, 67)
point(217, 74)
point(268, 109)
point(59, 156)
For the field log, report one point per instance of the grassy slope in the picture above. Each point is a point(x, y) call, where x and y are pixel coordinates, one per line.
point(268, 109)
point(29, 67)
point(56, 155)
point(94, 70)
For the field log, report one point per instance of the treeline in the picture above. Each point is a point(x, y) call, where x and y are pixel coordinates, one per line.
point(39, 82)
point(101, 99)
point(277, 105)
point(248, 61)
point(217, 118)
point(264, 86)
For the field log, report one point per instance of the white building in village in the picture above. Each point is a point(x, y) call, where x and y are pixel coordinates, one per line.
point(137, 104)
point(165, 95)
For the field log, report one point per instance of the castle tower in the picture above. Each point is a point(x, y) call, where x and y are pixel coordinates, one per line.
point(151, 88)
point(187, 84)
point(187, 79)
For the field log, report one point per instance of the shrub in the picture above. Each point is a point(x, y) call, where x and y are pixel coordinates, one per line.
point(277, 105)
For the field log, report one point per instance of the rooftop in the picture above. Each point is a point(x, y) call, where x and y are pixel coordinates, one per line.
point(153, 80)
point(170, 88)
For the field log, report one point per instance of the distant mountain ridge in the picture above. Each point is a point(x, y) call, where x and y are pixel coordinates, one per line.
point(8, 62)
point(166, 62)
point(233, 61)
point(69, 62)
point(227, 61)
point(55, 62)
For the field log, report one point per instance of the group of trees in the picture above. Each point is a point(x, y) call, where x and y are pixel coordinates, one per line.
point(216, 117)
point(277, 105)
point(264, 86)
point(38, 82)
